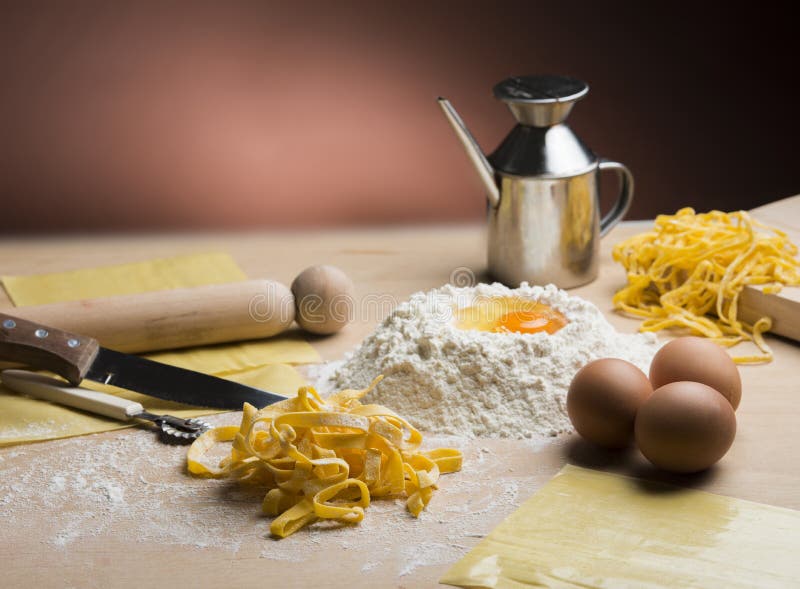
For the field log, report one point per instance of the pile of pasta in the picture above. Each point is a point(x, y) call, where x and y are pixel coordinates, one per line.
point(325, 459)
point(689, 271)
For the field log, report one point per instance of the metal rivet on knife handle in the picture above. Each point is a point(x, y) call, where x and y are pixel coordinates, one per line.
point(45, 348)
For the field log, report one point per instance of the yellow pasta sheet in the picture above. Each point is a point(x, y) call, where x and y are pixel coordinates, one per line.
point(591, 529)
point(183, 271)
point(262, 364)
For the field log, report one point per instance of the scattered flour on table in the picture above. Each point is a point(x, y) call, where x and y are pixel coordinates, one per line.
point(127, 487)
point(93, 485)
point(33, 430)
point(482, 384)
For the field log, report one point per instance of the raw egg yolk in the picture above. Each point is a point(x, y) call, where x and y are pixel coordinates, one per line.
point(510, 315)
point(527, 322)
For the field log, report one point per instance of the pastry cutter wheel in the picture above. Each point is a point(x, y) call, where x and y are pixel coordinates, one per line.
point(57, 391)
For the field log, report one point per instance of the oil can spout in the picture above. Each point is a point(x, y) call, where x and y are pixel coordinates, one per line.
point(479, 161)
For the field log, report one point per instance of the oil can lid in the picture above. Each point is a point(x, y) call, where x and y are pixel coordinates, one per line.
point(540, 100)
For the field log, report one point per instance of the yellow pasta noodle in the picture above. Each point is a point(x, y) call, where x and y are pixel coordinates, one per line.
point(689, 271)
point(325, 459)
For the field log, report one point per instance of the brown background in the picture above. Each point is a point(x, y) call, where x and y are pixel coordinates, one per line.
point(151, 115)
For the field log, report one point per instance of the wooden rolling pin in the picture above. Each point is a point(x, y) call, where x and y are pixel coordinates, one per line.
point(176, 318)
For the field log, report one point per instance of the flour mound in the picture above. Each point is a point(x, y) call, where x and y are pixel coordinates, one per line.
point(480, 384)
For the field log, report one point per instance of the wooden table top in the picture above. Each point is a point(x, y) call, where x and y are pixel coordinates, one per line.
point(96, 511)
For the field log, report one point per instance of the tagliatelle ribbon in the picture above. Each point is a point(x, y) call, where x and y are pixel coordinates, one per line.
point(325, 459)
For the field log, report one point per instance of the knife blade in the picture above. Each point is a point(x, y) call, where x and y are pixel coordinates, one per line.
point(76, 357)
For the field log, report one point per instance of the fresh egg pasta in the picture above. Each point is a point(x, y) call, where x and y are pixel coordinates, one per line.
point(325, 459)
point(692, 266)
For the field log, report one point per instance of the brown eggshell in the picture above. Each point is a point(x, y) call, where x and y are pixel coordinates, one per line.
point(685, 427)
point(698, 360)
point(324, 296)
point(603, 399)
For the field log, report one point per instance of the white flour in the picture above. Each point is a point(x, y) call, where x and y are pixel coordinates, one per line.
point(475, 383)
point(33, 429)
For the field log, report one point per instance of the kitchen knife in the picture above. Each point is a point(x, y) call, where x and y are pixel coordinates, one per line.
point(76, 358)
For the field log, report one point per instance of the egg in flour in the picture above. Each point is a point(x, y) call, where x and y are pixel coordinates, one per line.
point(509, 315)
point(499, 370)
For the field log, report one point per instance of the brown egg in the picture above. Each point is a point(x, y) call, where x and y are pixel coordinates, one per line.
point(698, 360)
point(603, 399)
point(324, 297)
point(685, 427)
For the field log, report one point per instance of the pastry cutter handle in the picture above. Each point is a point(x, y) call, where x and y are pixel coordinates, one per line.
point(55, 391)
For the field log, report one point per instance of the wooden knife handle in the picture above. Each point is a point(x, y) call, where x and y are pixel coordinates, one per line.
point(178, 318)
point(45, 348)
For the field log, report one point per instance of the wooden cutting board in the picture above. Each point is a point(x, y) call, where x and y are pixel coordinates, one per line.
point(784, 307)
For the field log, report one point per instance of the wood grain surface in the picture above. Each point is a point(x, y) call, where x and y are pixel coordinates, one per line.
point(386, 265)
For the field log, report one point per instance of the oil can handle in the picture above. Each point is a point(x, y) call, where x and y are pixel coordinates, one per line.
point(625, 198)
